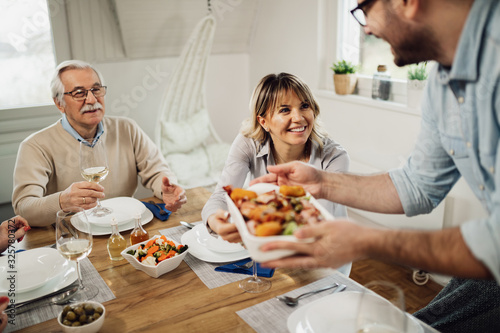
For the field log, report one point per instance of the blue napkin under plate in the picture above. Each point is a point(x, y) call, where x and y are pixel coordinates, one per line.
point(232, 268)
point(156, 211)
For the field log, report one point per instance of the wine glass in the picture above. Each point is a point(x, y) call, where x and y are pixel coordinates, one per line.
point(94, 168)
point(381, 309)
point(74, 242)
point(255, 284)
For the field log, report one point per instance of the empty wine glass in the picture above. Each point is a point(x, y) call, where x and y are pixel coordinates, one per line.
point(94, 167)
point(381, 309)
point(255, 284)
point(74, 242)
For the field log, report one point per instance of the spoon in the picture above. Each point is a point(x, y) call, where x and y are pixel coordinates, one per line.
point(187, 224)
point(59, 299)
point(293, 301)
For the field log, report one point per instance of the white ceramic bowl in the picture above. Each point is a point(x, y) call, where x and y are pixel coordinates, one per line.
point(252, 242)
point(87, 328)
point(163, 267)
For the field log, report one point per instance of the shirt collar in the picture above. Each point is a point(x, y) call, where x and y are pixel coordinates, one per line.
point(264, 148)
point(67, 126)
point(465, 65)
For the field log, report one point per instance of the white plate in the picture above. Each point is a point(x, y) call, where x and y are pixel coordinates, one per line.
point(334, 313)
point(252, 242)
point(201, 252)
point(124, 209)
point(215, 244)
point(99, 230)
point(66, 276)
point(34, 268)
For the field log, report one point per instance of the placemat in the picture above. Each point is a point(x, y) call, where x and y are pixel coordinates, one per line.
point(257, 316)
point(43, 312)
point(204, 270)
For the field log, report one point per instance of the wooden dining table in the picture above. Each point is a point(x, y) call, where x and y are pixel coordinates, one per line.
point(177, 300)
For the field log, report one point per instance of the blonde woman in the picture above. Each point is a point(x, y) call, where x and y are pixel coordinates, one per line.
point(283, 127)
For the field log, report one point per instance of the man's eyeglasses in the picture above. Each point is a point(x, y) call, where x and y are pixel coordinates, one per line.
point(359, 13)
point(81, 94)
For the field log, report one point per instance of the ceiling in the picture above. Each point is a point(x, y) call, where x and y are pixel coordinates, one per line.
point(118, 29)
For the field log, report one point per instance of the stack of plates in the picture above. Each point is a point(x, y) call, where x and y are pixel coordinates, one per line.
point(211, 249)
point(124, 210)
point(38, 272)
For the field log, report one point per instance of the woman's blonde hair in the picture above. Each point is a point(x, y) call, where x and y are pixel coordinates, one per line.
point(267, 96)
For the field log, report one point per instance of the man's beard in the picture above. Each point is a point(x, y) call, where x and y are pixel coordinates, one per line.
point(412, 46)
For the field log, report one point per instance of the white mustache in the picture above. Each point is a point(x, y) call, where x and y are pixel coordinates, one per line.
point(89, 107)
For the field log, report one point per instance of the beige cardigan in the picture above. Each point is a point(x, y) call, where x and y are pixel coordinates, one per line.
point(48, 163)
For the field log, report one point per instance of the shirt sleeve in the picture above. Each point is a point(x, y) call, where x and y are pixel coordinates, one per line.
point(234, 173)
point(335, 159)
point(31, 176)
point(429, 174)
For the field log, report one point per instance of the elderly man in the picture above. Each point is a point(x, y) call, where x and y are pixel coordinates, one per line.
point(460, 136)
point(47, 174)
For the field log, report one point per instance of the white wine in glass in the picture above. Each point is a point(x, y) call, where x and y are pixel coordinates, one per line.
point(74, 242)
point(94, 168)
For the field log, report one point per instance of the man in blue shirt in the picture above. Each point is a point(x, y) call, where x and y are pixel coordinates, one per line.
point(459, 137)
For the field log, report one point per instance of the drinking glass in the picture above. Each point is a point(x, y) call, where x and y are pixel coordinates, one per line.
point(74, 242)
point(381, 308)
point(255, 284)
point(94, 168)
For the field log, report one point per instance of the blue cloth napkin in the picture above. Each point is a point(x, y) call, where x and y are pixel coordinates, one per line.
point(232, 268)
point(156, 211)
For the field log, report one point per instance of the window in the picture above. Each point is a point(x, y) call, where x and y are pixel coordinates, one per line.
point(26, 53)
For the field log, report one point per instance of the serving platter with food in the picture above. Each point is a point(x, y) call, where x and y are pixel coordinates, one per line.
point(264, 213)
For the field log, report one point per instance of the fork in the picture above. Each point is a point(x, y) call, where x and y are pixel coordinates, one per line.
point(162, 212)
point(293, 301)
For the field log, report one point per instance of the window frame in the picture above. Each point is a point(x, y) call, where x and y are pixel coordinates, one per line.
point(332, 18)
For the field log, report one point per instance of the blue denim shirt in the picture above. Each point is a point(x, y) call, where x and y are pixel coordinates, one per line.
point(460, 134)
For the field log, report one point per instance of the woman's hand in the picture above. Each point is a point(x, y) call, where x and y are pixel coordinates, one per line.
point(4, 302)
point(17, 225)
point(218, 222)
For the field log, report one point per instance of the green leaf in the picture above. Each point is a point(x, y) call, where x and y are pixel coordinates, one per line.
point(343, 67)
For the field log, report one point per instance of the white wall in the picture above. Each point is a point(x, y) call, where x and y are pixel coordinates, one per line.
point(377, 136)
point(136, 88)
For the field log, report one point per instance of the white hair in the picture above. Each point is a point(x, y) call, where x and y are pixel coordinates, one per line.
point(56, 85)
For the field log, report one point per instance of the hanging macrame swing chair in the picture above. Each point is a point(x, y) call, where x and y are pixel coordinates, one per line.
point(184, 132)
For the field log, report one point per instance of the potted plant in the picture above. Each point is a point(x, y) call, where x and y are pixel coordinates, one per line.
point(344, 77)
point(417, 78)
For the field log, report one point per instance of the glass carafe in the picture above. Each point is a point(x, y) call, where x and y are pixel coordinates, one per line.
point(138, 234)
point(116, 242)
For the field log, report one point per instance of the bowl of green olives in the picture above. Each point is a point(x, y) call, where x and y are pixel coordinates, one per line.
point(84, 317)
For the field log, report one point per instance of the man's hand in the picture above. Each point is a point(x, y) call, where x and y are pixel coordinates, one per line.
point(294, 173)
point(174, 196)
point(336, 243)
point(81, 194)
point(218, 222)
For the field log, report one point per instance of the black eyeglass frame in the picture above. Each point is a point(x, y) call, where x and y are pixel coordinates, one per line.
point(360, 7)
point(87, 92)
